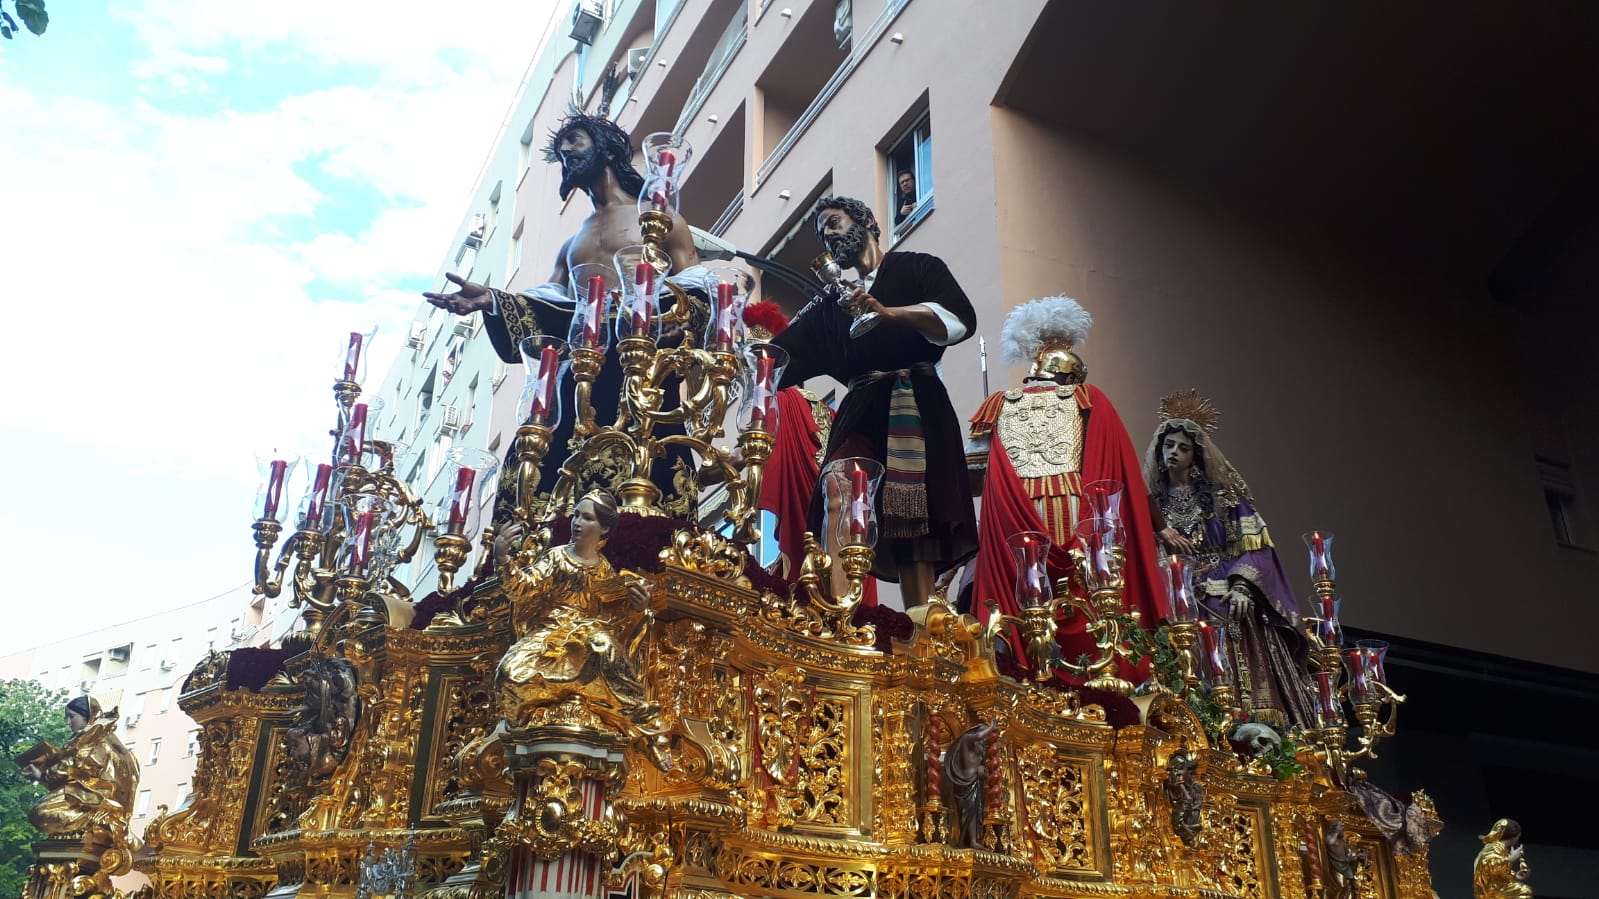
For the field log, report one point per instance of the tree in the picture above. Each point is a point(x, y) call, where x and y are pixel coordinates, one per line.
point(28, 713)
point(32, 13)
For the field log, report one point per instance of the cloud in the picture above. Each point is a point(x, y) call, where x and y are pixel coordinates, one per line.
point(157, 235)
point(183, 250)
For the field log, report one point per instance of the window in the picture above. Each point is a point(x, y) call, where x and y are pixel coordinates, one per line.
point(155, 751)
point(493, 218)
point(1559, 504)
point(148, 659)
point(513, 260)
point(194, 744)
point(1560, 499)
point(524, 152)
point(181, 794)
point(910, 175)
point(166, 699)
point(142, 806)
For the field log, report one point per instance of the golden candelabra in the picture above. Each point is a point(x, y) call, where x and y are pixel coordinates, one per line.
point(1103, 610)
point(1363, 684)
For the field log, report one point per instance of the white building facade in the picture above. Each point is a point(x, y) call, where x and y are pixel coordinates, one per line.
point(138, 667)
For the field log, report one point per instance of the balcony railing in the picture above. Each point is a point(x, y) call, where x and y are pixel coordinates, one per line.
point(725, 220)
point(728, 51)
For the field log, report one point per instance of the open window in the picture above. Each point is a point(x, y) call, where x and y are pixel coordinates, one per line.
point(910, 175)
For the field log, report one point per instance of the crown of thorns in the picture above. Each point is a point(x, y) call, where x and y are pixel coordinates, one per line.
point(602, 130)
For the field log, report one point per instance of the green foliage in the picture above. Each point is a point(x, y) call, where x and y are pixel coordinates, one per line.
point(1281, 759)
point(1165, 665)
point(32, 13)
point(28, 713)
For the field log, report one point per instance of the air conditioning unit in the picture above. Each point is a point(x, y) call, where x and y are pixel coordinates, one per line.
point(466, 327)
point(500, 371)
point(117, 654)
point(167, 665)
point(588, 17)
point(449, 418)
point(133, 720)
point(418, 335)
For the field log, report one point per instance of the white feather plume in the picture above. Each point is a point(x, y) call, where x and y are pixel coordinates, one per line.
point(1031, 323)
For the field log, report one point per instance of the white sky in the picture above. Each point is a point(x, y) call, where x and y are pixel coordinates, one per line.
point(198, 198)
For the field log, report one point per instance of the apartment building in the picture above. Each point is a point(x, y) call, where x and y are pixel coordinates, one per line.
point(138, 667)
point(1345, 225)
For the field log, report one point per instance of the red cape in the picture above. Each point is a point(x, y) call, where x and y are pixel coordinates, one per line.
point(1007, 509)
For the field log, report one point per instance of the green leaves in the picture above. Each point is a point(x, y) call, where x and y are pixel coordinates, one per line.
point(33, 16)
point(28, 713)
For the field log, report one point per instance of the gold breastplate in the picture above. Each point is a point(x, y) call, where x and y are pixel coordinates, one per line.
point(1042, 431)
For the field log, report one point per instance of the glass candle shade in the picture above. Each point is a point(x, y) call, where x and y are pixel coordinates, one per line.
point(725, 331)
point(658, 195)
point(640, 268)
point(591, 287)
point(1180, 587)
point(1104, 499)
point(1328, 630)
point(365, 516)
point(1215, 666)
point(849, 493)
point(382, 455)
point(316, 512)
point(544, 360)
point(1320, 545)
point(275, 468)
point(1360, 682)
point(1030, 549)
point(1375, 653)
point(469, 473)
point(354, 348)
point(356, 428)
point(1098, 538)
point(666, 155)
point(763, 369)
point(1327, 708)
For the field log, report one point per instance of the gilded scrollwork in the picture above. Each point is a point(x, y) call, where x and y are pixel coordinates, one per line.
point(1056, 808)
point(822, 775)
point(708, 553)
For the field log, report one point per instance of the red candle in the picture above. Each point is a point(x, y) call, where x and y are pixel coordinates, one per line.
point(668, 163)
point(319, 494)
point(1211, 648)
point(277, 470)
point(1032, 563)
point(1328, 631)
point(658, 201)
point(763, 417)
point(596, 311)
point(860, 503)
point(461, 498)
point(544, 391)
point(1182, 594)
point(361, 540)
point(1326, 701)
point(1319, 565)
point(1359, 674)
point(352, 356)
point(355, 435)
point(724, 314)
point(1374, 666)
point(643, 293)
